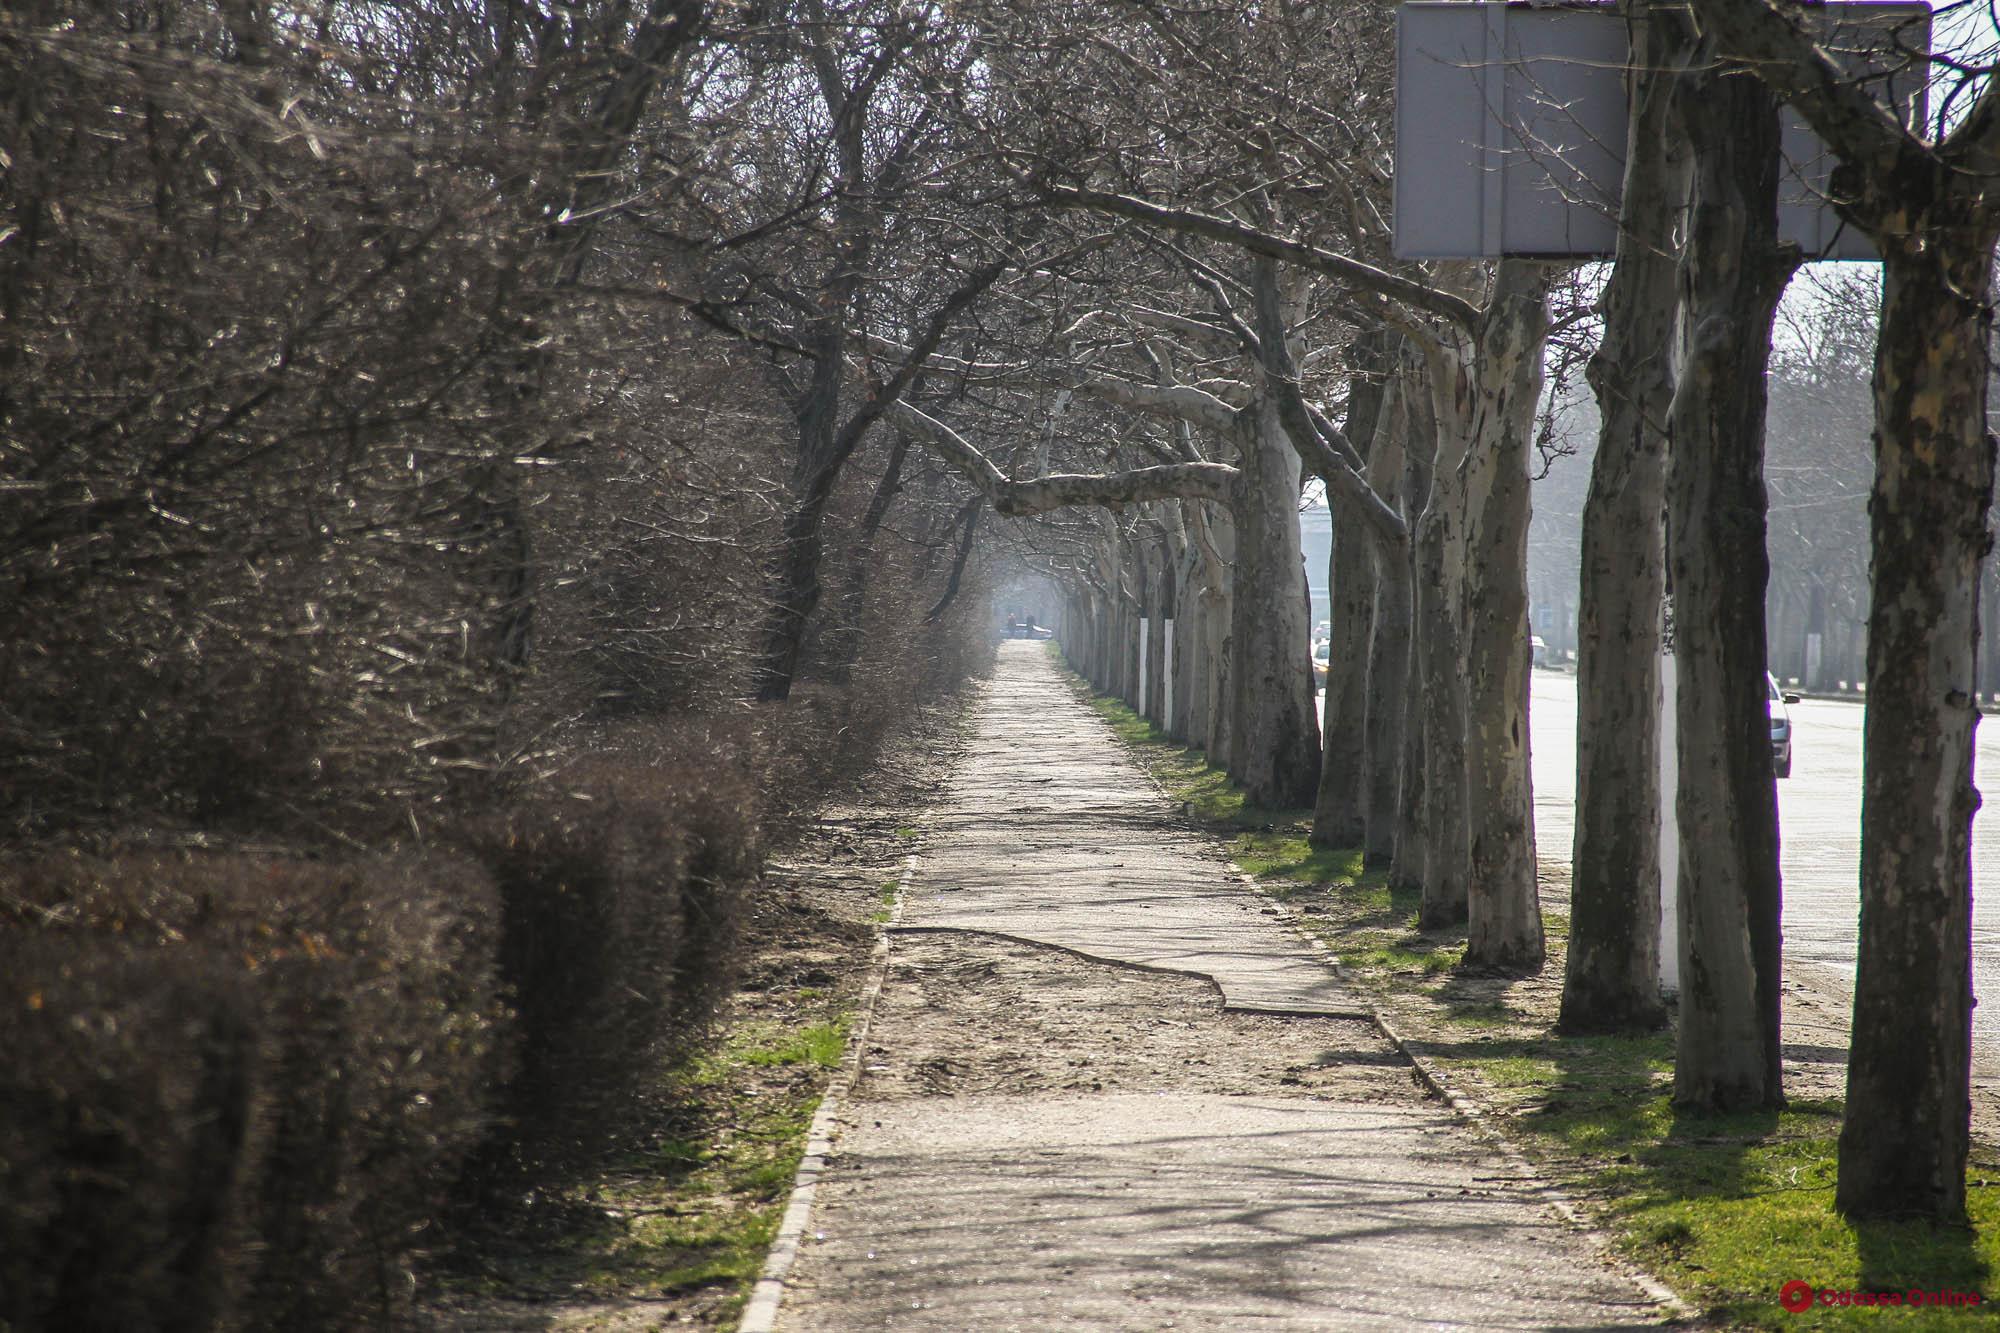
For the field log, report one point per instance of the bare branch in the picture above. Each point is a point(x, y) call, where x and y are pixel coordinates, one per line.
point(1168, 481)
point(1366, 276)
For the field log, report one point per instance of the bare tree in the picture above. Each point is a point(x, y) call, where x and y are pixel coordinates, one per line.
point(1732, 275)
point(1611, 978)
point(1928, 203)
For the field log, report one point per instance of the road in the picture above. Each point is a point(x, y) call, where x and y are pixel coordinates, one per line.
point(1819, 826)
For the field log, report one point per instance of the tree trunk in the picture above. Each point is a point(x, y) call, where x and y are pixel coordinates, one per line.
point(1340, 816)
point(1611, 982)
point(1732, 276)
point(1101, 656)
point(1183, 718)
point(1131, 600)
point(1196, 647)
point(1406, 872)
point(1208, 578)
point(794, 584)
point(1904, 1140)
point(1190, 714)
point(1274, 741)
point(1159, 607)
point(1439, 563)
point(1388, 642)
point(1222, 666)
point(845, 635)
point(1218, 740)
point(1340, 813)
point(1389, 707)
point(1504, 919)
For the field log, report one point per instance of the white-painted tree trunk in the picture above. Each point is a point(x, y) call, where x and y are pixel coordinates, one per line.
point(1668, 891)
point(1145, 667)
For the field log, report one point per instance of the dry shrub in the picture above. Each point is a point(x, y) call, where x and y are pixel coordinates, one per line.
point(653, 546)
point(238, 1086)
point(828, 735)
point(620, 895)
point(260, 431)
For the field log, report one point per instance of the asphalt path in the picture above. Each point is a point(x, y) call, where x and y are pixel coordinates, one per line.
point(988, 1172)
point(1819, 829)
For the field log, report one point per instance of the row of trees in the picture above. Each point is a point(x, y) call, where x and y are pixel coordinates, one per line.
point(1817, 472)
point(400, 350)
point(1223, 319)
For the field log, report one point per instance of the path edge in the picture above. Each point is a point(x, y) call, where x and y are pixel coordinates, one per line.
point(760, 1313)
point(1476, 1116)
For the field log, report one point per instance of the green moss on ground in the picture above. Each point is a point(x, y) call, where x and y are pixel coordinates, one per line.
point(1726, 1209)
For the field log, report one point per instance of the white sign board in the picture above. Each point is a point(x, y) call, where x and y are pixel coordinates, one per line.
point(1510, 128)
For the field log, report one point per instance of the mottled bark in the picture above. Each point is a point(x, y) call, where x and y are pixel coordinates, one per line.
point(1406, 871)
point(1932, 212)
point(1274, 750)
point(1102, 612)
point(1611, 981)
point(1125, 634)
point(1439, 566)
point(1218, 617)
point(1732, 275)
point(1185, 561)
point(1904, 1142)
point(1388, 642)
point(1504, 919)
point(1340, 812)
point(1159, 608)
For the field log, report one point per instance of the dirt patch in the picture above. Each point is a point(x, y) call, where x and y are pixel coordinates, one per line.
point(962, 1014)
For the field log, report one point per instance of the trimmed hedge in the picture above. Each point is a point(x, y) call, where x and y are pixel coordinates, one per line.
point(621, 895)
point(236, 1086)
point(240, 1089)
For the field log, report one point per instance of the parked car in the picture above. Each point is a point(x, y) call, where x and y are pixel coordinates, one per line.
point(1781, 727)
point(1538, 650)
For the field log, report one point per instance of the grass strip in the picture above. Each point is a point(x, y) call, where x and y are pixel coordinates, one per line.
point(690, 1208)
point(1726, 1209)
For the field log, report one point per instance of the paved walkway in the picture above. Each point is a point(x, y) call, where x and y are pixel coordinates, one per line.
point(1176, 1207)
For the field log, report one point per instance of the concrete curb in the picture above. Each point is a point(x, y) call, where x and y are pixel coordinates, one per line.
point(1478, 1119)
point(760, 1314)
